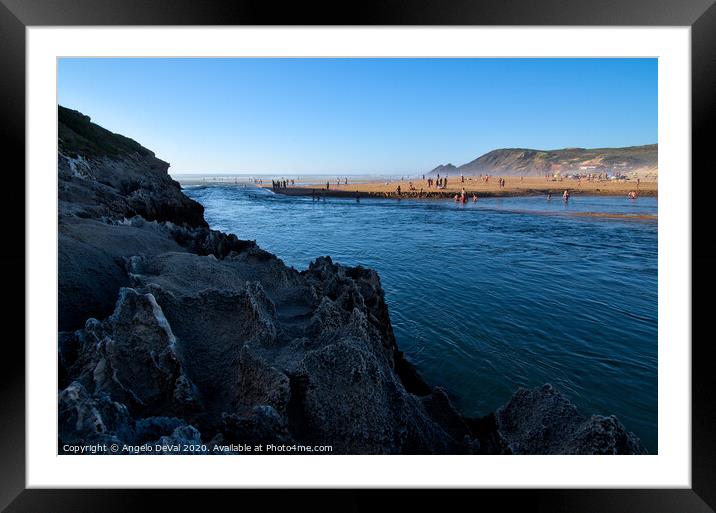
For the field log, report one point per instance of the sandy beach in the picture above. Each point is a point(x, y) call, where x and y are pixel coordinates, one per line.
point(514, 186)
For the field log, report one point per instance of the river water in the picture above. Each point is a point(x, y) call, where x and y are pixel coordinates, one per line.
point(489, 296)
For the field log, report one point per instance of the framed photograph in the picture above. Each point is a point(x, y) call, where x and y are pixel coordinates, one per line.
point(411, 248)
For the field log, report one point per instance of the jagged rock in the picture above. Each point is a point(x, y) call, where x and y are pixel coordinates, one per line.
point(93, 258)
point(439, 407)
point(542, 421)
point(259, 384)
point(96, 419)
point(261, 425)
point(227, 335)
point(212, 327)
point(355, 290)
point(204, 241)
point(185, 274)
point(604, 435)
point(177, 442)
point(131, 357)
point(153, 428)
point(349, 398)
point(88, 419)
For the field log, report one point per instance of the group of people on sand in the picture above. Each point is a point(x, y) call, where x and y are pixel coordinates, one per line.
point(439, 183)
point(278, 184)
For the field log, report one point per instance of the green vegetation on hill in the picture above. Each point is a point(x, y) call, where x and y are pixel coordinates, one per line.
point(525, 161)
point(79, 136)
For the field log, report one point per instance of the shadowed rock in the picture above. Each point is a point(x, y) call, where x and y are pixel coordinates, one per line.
point(131, 357)
point(542, 421)
point(91, 263)
point(91, 419)
point(86, 418)
point(102, 174)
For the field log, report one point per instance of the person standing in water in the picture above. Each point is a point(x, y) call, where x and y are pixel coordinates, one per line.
point(565, 196)
point(463, 196)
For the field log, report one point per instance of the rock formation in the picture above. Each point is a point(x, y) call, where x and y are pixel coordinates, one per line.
point(173, 335)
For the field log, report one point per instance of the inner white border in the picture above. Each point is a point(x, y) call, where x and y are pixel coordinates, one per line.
point(671, 467)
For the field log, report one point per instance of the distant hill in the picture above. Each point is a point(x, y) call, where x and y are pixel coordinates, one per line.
point(443, 169)
point(641, 161)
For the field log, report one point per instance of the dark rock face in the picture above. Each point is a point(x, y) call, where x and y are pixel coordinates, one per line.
point(131, 357)
point(92, 263)
point(102, 174)
point(91, 418)
point(542, 421)
point(172, 334)
point(86, 418)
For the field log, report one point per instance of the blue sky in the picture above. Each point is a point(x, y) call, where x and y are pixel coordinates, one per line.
point(357, 116)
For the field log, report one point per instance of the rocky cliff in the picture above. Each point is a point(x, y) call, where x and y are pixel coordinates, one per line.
point(171, 333)
point(633, 161)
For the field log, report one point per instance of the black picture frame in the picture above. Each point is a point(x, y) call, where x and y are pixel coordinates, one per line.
point(17, 15)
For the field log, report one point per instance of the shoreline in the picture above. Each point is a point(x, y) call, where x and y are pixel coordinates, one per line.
point(350, 192)
point(418, 189)
point(366, 190)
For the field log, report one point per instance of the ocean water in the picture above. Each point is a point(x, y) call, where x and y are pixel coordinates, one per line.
point(489, 296)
